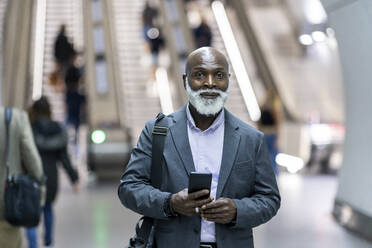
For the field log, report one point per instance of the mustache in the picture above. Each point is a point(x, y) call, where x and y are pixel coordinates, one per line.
point(219, 92)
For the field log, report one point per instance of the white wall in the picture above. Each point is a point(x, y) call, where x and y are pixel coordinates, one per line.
point(352, 21)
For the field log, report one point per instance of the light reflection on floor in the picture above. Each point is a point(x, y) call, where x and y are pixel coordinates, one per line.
point(94, 218)
point(304, 219)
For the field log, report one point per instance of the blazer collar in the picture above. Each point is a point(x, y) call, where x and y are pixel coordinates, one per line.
point(230, 148)
point(181, 140)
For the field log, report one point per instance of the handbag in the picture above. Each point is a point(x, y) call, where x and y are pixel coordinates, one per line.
point(145, 233)
point(22, 195)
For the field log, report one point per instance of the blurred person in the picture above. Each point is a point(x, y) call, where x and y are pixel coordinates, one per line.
point(64, 51)
point(72, 77)
point(51, 141)
point(74, 99)
point(203, 34)
point(152, 33)
point(156, 42)
point(24, 158)
point(269, 124)
point(204, 137)
point(149, 15)
point(65, 55)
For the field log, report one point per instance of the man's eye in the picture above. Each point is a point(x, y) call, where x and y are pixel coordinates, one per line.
point(220, 75)
point(199, 75)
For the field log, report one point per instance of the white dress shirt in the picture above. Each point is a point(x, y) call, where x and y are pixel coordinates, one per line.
point(206, 147)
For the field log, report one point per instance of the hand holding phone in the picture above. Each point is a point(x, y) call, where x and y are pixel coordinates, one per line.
point(188, 200)
point(200, 181)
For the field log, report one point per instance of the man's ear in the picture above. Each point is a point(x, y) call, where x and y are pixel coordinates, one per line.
point(184, 76)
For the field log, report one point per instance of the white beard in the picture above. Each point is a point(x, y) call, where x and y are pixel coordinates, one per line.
point(206, 106)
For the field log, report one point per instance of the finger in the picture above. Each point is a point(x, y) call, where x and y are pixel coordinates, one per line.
point(214, 219)
point(193, 211)
point(214, 215)
point(219, 210)
point(204, 202)
point(224, 218)
point(198, 194)
point(189, 212)
point(215, 204)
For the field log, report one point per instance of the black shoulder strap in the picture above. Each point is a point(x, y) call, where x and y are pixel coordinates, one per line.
point(8, 118)
point(159, 132)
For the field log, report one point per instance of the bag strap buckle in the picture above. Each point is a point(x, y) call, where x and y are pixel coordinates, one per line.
point(160, 130)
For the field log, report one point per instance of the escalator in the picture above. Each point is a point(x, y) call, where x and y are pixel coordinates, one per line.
point(133, 73)
point(308, 83)
point(307, 78)
point(109, 138)
point(58, 13)
point(235, 102)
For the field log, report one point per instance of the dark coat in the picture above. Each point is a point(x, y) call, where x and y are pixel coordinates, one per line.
point(63, 49)
point(51, 141)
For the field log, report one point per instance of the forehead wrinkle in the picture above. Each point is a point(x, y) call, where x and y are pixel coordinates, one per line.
point(208, 63)
point(209, 68)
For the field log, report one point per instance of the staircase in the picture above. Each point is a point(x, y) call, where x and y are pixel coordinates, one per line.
point(68, 12)
point(139, 106)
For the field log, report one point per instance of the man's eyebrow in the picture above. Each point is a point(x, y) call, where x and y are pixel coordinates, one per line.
point(220, 68)
point(203, 68)
point(197, 68)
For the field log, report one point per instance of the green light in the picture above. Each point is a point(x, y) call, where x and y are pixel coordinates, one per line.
point(98, 136)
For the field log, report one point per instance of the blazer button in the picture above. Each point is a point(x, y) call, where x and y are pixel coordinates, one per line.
point(196, 230)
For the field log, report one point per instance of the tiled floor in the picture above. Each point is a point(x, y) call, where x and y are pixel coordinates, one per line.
point(94, 218)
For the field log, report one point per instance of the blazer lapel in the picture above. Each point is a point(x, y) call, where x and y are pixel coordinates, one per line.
point(230, 148)
point(181, 140)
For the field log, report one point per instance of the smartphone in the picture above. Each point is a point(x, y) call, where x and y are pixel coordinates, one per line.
point(200, 181)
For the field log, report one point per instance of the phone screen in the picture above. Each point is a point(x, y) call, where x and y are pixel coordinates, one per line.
point(200, 181)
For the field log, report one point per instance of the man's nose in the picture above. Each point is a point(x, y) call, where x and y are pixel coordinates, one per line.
point(210, 81)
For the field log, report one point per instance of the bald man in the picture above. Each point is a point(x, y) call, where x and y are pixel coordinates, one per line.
point(204, 137)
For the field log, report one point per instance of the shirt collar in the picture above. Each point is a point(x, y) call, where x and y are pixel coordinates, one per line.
point(216, 123)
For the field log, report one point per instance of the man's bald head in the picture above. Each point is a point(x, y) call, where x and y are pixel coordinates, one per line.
point(206, 55)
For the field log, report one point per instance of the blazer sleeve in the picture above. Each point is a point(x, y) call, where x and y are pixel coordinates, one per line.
point(265, 201)
point(135, 190)
point(29, 154)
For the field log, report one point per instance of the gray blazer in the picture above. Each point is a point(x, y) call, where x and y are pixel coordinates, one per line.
point(246, 176)
point(23, 155)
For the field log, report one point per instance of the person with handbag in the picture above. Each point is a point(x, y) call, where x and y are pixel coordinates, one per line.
point(23, 157)
point(51, 141)
point(201, 137)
